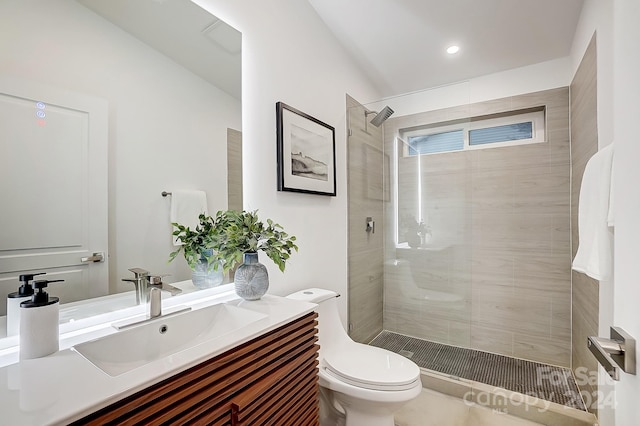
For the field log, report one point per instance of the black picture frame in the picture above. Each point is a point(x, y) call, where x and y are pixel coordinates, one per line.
point(306, 152)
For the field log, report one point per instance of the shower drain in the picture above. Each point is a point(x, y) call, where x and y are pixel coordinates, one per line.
point(406, 354)
point(518, 375)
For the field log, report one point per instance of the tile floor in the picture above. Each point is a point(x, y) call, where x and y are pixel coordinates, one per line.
point(435, 409)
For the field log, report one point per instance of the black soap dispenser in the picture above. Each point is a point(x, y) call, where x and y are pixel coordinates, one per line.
point(39, 323)
point(24, 293)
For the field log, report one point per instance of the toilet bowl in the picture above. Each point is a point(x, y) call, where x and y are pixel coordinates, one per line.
point(360, 384)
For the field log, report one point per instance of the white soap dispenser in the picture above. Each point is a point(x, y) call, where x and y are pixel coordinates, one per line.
point(24, 293)
point(39, 319)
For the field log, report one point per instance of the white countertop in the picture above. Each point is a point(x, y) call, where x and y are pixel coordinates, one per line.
point(64, 386)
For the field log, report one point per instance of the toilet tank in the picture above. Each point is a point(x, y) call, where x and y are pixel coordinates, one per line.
point(313, 295)
point(331, 333)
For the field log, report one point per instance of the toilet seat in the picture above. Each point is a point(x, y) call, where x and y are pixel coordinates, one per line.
point(372, 368)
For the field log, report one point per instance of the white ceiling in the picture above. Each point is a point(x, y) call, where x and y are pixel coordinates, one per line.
point(401, 44)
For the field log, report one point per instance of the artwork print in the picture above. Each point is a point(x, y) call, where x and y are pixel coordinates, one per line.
point(306, 153)
point(309, 156)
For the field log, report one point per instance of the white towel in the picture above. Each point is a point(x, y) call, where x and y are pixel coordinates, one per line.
point(611, 217)
point(595, 247)
point(186, 207)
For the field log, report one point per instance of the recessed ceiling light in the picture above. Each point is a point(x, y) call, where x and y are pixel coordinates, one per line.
point(453, 49)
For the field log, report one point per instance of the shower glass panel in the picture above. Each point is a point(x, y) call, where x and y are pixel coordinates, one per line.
point(427, 271)
point(368, 190)
point(412, 275)
point(472, 246)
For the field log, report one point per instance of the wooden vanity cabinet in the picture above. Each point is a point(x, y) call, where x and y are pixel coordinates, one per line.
point(270, 380)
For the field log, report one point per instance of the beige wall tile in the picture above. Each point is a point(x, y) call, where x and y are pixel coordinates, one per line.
point(415, 120)
point(491, 339)
point(493, 191)
point(234, 169)
point(415, 325)
point(490, 107)
point(585, 291)
point(511, 157)
point(506, 213)
point(584, 143)
point(542, 349)
point(461, 112)
point(542, 190)
point(541, 265)
point(460, 333)
point(557, 96)
point(522, 311)
point(366, 252)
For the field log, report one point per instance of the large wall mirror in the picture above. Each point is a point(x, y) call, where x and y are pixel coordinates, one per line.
point(105, 104)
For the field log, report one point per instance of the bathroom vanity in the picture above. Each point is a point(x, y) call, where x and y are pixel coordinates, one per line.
point(264, 371)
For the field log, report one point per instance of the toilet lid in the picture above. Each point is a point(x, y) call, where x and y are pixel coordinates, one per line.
point(373, 368)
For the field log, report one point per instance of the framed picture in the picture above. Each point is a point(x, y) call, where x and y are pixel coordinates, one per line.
point(306, 153)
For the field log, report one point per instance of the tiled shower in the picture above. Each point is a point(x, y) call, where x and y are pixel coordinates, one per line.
point(493, 270)
point(495, 273)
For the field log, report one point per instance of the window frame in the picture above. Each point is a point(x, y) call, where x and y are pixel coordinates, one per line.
point(536, 116)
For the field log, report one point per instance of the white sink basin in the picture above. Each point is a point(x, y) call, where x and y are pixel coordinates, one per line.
point(123, 351)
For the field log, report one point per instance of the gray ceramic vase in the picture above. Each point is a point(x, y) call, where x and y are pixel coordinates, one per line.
point(251, 278)
point(203, 276)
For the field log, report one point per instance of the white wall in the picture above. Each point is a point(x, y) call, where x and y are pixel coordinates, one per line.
point(618, 42)
point(597, 17)
point(167, 127)
point(289, 55)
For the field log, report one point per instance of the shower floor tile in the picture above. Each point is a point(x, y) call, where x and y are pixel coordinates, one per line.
point(548, 382)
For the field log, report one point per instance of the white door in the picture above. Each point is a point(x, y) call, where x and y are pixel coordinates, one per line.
point(626, 290)
point(53, 188)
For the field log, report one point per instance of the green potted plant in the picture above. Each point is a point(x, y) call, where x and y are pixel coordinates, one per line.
point(197, 248)
point(414, 232)
point(237, 237)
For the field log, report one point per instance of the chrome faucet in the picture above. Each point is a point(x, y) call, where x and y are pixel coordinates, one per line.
point(155, 281)
point(154, 295)
point(149, 290)
point(155, 303)
point(140, 281)
point(143, 282)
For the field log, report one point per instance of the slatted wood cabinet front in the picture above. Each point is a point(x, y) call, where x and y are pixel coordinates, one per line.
point(270, 380)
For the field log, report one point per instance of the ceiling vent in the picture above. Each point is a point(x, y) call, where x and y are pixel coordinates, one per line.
point(224, 36)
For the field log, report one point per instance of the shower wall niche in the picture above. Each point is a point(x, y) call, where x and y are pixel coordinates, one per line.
point(492, 271)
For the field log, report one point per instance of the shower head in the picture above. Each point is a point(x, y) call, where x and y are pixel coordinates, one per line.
point(380, 117)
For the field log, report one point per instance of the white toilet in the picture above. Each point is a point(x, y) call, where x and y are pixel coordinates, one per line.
point(359, 384)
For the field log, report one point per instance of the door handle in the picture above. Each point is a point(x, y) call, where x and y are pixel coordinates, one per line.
point(617, 352)
point(96, 257)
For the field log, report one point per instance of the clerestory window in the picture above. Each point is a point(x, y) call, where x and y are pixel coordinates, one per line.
point(497, 130)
